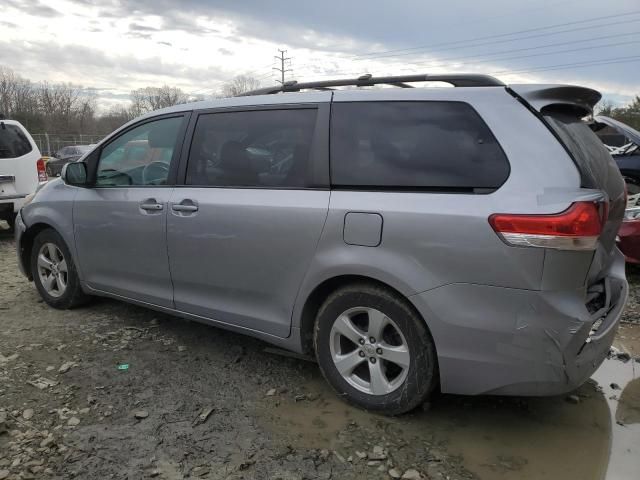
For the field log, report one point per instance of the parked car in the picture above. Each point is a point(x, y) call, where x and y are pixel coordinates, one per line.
point(64, 156)
point(410, 238)
point(21, 168)
point(629, 234)
point(627, 156)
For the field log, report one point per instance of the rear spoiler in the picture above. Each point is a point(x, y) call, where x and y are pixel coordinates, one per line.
point(539, 97)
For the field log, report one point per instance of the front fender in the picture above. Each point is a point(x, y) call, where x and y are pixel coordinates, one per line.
point(52, 207)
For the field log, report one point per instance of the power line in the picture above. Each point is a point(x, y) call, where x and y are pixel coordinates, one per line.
point(590, 47)
point(514, 50)
point(488, 37)
point(525, 49)
point(561, 66)
point(439, 62)
point(282, 68)
point(496, 42)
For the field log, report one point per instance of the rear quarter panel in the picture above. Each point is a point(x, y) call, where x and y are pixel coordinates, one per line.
point(435, 239)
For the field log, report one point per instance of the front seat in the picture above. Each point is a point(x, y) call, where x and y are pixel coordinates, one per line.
point(236, 166)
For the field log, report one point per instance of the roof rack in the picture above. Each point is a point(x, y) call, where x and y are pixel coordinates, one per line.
point(402, 81)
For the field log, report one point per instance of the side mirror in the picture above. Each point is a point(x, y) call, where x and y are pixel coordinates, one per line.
point(75, 173)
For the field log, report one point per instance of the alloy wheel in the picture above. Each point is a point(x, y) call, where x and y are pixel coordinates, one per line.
point(52, 270)
point(369, 351)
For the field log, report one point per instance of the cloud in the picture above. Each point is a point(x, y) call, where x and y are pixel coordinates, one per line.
point(98, 67)
point(212, 41)
point(145, 36)
point(142, 28)
point(35, 7)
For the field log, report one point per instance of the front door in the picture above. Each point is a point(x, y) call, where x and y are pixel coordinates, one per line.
point(120, 223)
point(243, 230)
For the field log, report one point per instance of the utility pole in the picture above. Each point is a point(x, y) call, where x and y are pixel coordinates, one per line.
point(282, 59)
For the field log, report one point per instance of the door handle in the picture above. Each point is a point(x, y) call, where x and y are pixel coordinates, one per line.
point(185, 206)
point(151, 205)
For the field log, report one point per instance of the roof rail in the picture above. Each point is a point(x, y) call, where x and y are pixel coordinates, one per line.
point(402, 81)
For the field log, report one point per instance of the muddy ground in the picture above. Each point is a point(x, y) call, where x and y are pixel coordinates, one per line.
point(115, 391)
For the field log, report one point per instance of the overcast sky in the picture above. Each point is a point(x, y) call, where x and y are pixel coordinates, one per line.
point(115, 46)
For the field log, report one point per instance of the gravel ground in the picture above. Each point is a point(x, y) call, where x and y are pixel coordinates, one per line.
point(116, 391)
point(632, 312)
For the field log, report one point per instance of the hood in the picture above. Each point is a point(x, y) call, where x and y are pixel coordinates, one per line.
point(631, 133)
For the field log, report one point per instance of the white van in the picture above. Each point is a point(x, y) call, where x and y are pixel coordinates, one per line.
point(22, 168)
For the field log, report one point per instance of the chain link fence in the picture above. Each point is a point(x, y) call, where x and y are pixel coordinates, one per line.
point(50, 143)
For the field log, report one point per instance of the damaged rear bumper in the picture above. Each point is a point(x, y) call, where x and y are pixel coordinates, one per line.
point(495, 340)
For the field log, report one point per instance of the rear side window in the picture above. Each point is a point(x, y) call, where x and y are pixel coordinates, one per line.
point(589, 153)
point(414, 145)
point(13, 142)
point(263, 148)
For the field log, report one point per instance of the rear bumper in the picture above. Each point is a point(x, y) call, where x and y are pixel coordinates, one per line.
point(494, 340)
point(16, 200)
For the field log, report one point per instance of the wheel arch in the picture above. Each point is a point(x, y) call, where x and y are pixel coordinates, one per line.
point(319, 294)
point(26, 245)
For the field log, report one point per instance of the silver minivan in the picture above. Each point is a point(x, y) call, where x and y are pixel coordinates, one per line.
point(410, 238)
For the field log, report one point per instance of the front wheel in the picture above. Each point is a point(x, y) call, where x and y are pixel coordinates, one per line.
point(375, 350)
point(54, 272)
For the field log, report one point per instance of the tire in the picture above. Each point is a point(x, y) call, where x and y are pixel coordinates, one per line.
point(61, 298)
point(405, 336)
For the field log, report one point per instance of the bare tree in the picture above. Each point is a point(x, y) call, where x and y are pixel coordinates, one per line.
point(152, 98)
point(240, 85)
point(605, 107)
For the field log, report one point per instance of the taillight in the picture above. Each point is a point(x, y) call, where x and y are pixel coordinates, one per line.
point(577, 228)
point(42, 170)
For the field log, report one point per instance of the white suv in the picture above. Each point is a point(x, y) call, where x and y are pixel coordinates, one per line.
point(22, 168)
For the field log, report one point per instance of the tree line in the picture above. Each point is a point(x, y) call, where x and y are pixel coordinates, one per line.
point(63, 108)
point(629, 114)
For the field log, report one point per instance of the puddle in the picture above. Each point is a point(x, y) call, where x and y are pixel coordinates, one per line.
point(497, 438)
point(624, 410)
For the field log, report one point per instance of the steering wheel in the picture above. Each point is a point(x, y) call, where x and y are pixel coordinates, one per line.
point(155, 172)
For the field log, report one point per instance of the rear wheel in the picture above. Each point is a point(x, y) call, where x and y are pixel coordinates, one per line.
point(374, 349)
point(54, 272)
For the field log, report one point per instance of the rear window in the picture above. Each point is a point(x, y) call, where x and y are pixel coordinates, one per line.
point(414, 145)
point(13, 142)
point(589, 153)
